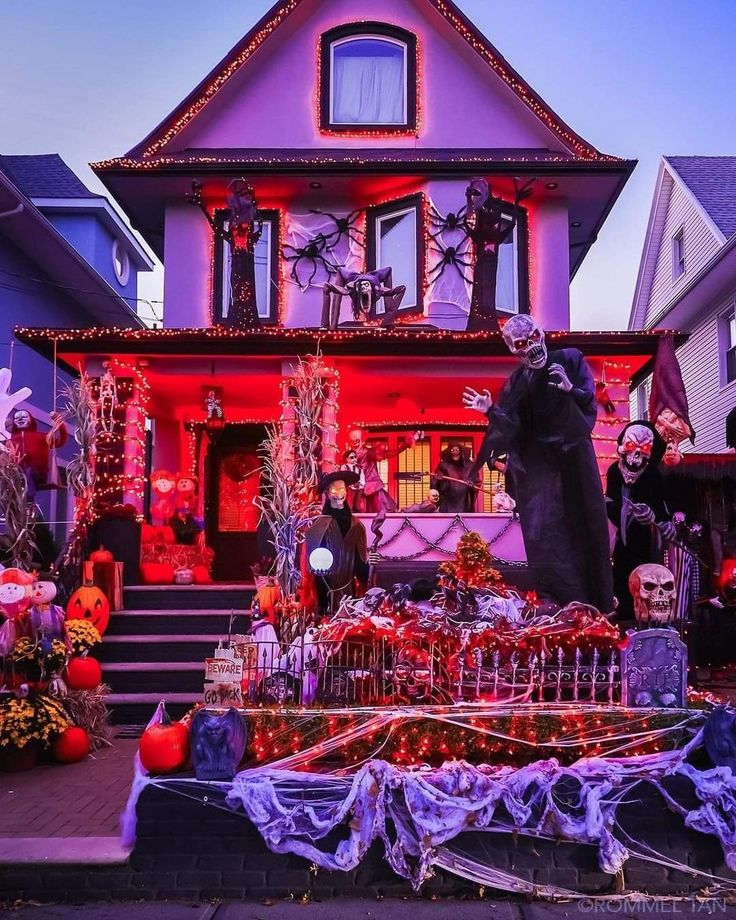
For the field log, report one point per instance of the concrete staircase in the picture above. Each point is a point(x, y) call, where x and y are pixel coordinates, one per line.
point(155, 648)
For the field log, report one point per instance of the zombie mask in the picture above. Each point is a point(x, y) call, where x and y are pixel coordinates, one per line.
point(635, 446)
point(477, 194)
point(672, 455)
point(652, 588)
point(355, 439)
point(372, 600)
point(21, 420)
point(336, 494)
point(524, 338)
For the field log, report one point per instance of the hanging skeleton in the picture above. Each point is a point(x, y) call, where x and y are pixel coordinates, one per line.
point(107, 400)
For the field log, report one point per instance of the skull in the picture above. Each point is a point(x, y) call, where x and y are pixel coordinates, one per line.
point(21, 420)
point(355, 438)
point(373, 599)
point(672, 455)
point(525, 339)
point(434, 496)
point(412, 673)
point(336, 494)
point(635, 446)
point(652, 588)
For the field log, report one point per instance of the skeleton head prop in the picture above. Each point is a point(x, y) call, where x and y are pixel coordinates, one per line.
point(524, 338)
point(434, 496)
point(336, 494)
point(21, 420)
point(477, 194)
point(412, 673)
point(635, 448)
point(653, 590)
point(372, 600)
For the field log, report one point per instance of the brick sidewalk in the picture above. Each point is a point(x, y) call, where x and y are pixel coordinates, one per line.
point(69, 800)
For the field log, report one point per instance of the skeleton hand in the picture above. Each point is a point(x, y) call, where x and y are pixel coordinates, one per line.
point(642, 513)
point(8, 401)
point(563, 381)
point(668, 530)
point(374, 558)
point(418, 436)
point(481, 402)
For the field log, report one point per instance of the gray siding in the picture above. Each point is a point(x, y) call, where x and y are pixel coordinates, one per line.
point(700, 244)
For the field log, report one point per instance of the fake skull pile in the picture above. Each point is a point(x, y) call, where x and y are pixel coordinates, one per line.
point(652, 588)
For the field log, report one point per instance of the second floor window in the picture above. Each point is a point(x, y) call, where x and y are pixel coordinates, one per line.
point(368, 78)
point(678, 254)
point(728, 346)
point(266, 269)
point(395, 240)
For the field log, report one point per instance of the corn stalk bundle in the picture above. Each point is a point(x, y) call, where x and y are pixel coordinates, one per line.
point(18, 513)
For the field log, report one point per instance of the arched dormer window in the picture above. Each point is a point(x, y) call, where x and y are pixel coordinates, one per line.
point(368, 79)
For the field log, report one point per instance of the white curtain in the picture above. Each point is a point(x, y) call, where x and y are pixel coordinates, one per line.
point(368, 90)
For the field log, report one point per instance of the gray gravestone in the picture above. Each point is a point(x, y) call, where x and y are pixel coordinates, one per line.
point(654, 669)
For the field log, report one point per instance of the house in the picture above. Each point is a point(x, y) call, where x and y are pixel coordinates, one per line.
point(67, 259)
point(316, 190)
point(687, 281)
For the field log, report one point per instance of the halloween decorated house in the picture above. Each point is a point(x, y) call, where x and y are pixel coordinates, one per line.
point(391, 535)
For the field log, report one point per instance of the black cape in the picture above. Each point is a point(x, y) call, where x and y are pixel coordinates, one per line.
point(455, 497)
point(559, 498)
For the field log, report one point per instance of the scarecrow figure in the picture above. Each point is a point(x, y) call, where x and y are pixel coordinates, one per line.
point(543, 421)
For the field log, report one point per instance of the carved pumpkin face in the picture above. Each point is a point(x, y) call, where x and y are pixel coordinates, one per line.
point(89, 603)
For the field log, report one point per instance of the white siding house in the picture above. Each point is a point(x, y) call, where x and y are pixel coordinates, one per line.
point(687, 281)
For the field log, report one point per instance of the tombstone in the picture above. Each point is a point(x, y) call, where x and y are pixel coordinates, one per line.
point(654, 670)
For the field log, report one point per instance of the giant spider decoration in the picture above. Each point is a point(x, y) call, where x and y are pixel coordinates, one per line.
point(313, 253)
point(449, 255)
point(450, 222)
point(344, 226)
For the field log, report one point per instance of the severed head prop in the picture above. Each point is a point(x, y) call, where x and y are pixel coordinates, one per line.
point(652, 588)
point(524, 338)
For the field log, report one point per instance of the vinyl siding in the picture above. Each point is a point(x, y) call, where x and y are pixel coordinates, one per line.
point(700, 244)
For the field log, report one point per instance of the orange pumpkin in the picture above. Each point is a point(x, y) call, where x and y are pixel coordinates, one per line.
point(89, 603)
point(71, 745)
point(83, 673)
point(268, 598)
point(101, 555)
point(164, 748)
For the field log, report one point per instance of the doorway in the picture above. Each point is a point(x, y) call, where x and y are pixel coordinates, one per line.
point(231, 515)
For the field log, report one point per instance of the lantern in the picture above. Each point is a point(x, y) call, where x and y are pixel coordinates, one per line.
point(89, 603)
point(83, 673)
point(164, 747)
point(71, 746)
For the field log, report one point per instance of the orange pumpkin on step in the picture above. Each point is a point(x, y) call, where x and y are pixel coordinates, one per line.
point(89, 603)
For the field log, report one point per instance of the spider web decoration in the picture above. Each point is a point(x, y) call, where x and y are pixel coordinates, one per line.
point(318, 243)
point(449, 258)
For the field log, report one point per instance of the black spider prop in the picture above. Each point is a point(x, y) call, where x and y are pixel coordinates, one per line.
point(449, 256)
point(346, 226)
point(450, 222)
point(313, 254)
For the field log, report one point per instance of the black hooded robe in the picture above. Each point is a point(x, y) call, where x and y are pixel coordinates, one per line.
point(547, 436)
point(455, 497)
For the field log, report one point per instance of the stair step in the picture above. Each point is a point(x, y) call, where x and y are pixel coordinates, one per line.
point(156, 647)
point(162, 677)
point(192, 597)
point(137, 708)
point(176, 622)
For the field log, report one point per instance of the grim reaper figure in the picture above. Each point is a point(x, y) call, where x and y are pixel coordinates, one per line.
point(364, 290)
point(543, 422)
point(636, 506)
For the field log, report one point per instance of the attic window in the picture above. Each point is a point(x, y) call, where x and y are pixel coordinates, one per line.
point(368, 79)
point(120, 263)
point(678, 254)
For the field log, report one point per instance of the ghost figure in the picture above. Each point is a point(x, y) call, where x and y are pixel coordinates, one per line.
point(636, 506)
point(654, 594)
point(543, 422)
point(8, 401)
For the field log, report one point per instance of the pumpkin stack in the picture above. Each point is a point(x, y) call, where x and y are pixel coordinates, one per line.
point(90, 604)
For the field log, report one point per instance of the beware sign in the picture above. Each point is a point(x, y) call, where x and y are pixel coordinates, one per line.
point(224, 670)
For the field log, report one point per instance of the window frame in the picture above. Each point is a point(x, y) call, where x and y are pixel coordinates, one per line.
point(270, 216)
point(376, 213)
point(122, 273)
point(380, 30)
point(727, 346)
point(520, 236)
point(678, 254)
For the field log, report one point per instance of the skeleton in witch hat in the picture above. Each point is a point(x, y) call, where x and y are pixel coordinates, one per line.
point(543, 422)
point(636, 507)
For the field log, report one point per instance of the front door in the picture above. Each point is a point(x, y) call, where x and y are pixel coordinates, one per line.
point(231, 515)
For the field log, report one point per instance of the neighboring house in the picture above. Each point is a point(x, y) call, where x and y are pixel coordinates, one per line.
point(359, 124)
point(687, 281)
point(66, 260)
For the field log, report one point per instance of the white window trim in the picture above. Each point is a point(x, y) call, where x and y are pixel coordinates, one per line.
point(119, 251)
point(724, 339)
point(678, 262)
point(391, 215)
point(514, 240)
point(226, 255)
point(381, 38)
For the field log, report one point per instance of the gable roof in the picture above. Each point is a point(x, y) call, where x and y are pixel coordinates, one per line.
point(712, 180)
point(44, 175)
point(183, 114)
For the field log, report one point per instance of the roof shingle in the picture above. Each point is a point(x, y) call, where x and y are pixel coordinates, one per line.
point(713, 182)
point(44, 175)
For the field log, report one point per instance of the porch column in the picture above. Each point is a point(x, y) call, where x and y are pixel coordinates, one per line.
point(134, 447)
point(549, 264)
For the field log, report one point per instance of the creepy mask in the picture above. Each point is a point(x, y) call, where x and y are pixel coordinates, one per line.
point(336, 493)
point(476, 194)
point(21, 420)
point(355, 439)
point(635, 446)
point(652, 588)
point(434, 496)
point(524, 338)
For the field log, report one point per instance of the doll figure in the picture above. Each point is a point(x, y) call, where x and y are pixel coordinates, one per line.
point(163, 486)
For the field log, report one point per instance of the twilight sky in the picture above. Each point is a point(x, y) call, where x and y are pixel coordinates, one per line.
point(637, 78)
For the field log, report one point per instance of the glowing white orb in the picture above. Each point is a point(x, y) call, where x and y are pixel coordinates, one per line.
point(321, 560)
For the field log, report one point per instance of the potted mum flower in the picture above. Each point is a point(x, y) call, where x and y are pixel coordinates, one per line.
point(27, 727)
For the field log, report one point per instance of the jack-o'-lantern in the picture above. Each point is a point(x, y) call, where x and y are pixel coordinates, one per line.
point(89, 603)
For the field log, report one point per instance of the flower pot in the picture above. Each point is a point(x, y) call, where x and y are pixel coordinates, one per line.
point(17, 760)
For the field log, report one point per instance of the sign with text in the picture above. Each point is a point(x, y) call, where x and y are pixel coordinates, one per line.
point(224, 670)
point(222, 695)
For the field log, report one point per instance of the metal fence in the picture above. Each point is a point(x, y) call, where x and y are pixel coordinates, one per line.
point(429, 671)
